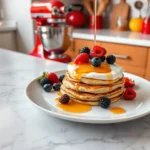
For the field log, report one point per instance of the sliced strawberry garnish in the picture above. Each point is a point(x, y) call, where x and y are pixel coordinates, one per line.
point(52, 77)
point(97, 51)
point(129, 94)
point(128, 82)
point(82, 59)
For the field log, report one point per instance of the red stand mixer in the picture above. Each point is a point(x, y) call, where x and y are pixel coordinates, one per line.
point(52, 33)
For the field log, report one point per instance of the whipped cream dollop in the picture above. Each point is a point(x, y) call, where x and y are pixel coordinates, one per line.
point(116, 72)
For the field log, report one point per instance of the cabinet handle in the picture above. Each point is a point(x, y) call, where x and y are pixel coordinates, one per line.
point(121, 56)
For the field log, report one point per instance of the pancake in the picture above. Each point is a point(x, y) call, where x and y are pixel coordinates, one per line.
point(90, 102)
point(89, 96)
point(81, 87)
point(95, 103)
point(91, 81)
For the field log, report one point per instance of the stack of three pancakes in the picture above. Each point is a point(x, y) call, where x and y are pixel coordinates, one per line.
point(87, 85)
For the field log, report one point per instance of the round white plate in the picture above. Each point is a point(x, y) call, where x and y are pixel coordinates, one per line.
point(134, 109)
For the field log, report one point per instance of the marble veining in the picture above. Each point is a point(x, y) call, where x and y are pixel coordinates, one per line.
point(23, 127)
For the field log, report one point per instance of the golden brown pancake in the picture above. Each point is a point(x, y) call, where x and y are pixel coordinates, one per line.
point(82, 87)
point(89, 96)
point(93, 103)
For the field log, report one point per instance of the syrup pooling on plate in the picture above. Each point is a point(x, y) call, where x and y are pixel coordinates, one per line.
point(73, 107)
point(117, 110)
point(88, 68)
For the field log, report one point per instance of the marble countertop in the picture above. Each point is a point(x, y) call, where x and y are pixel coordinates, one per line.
point(8, 25)
point(105, 35)
point(24, 127)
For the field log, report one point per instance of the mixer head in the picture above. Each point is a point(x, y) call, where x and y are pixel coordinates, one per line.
point(51, 11)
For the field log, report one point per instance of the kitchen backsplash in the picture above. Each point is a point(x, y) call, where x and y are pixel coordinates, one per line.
point(133, 11)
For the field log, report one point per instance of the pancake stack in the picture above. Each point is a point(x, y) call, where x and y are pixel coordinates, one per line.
point(89, 90)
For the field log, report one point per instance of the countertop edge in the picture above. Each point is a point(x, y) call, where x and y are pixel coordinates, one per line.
point(113, 39)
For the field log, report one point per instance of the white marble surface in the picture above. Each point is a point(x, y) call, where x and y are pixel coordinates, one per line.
point(23, 127)
point(105, 35)
point(8, 25)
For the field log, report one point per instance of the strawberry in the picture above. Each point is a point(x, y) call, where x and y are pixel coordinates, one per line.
point(82, 58)
point(128, 83)
point(97, 51)
point(52, 77)
point(129, 94)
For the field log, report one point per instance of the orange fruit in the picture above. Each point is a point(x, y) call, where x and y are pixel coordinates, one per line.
point(135, 24)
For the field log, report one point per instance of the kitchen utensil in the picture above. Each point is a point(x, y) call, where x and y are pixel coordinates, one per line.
point(52, 33)
point(139, 5)
point(119, 10)
point(75, 17)
point(134, 109)
point(99, 23)
point(146, 26)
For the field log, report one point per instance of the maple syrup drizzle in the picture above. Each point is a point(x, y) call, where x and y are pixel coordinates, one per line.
point(73, 107)
point(117, 110)
point(95, 9)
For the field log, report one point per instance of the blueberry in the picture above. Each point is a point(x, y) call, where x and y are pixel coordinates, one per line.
point(111, 59)
point(45, 81)
point(61, 78)
point(56, 86)
point(96, 61)
point(105, 102)
point(85, 50)
point(103, 58)
point(64, 99)
point(47, 87)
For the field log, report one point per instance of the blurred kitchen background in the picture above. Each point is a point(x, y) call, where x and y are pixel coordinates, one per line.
point(17, 14)
point(123, 28)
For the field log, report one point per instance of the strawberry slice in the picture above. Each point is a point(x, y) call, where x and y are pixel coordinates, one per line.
point(128, 83)
point(82, 58)
point(129, 94)
point(97, 51)
point(52, 77)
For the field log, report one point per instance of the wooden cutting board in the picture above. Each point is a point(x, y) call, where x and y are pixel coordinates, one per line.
point(119, 10)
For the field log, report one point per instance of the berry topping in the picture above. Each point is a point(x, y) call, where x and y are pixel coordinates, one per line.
point(42, 77)
point(82, 58)
point(103, 58)
point(52, 77)
point(85, 50)
point(47, 87)
point(61, 78)
point(64, 99)
point(129, 94)
point(97, 51)
point(111, 59)
point(45, 81)
point(56, 86)
point(128, 82)
point(105, 102)
point(96, 62)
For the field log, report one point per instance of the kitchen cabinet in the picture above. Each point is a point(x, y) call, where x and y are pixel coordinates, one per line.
point(134, 59)
point(8, 40)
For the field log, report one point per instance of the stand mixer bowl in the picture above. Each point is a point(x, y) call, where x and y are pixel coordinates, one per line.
point(55, 40)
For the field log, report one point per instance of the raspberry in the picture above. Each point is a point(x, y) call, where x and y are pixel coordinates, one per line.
point(64, 99)
point(129, 94)
point(97, 51)
point(82, 58)
point(52, 77)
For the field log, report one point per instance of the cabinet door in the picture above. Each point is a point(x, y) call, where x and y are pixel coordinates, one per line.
point(77, 44)
point(127, 54)
point(147, 73)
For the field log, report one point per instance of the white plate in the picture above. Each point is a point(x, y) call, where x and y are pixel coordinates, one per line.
point(134, 109)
